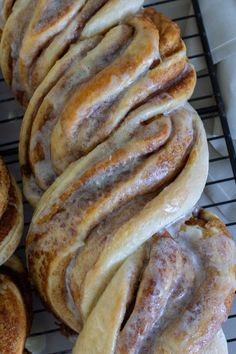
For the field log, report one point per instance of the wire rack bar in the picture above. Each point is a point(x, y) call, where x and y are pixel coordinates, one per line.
point(159, 3)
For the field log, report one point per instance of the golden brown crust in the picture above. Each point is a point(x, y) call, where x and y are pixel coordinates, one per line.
point(5, 11)
point(48, 19)
point(124, 70)
point(12, 318)
point(15, 307)
point(170, 41)
point(4, 187)
point(76, 53)
point(11, 40)
point(11, 218)
point(45, 31)
point(59, 45)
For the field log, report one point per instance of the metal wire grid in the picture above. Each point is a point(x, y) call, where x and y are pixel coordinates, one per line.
point(208, 102)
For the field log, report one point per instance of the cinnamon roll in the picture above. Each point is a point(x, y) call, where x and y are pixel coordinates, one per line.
point(15, 307)
point(44, 32)
point(147, 174)
point(171, 296)
point(11, 214)
point(139, 64)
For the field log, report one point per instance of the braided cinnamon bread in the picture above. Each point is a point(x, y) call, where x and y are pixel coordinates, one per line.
point(44, 32)
point(109, 137)
point(15, 307)
point(171, 296)
point(97, 87)
point(11, 214)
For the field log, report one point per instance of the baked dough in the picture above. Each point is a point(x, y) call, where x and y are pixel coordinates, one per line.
point(15, 307)
point(171, 296)
point(11, 214)
point(109, 137)
point(5, 11)
point(140, 63)
point(44, 32)
point(108, 203)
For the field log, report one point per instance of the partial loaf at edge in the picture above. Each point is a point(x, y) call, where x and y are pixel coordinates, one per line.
point(11, 214)
point(15, 307)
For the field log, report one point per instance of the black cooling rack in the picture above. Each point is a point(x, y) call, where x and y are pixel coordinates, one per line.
point(207, 100)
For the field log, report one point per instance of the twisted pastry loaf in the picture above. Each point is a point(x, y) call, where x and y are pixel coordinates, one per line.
point(94, 89)
point(15, 307)
point(11, 214)
point(108, 115)
point(105, 205)
point(171, 296)
point(44, 32)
